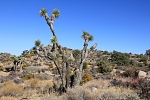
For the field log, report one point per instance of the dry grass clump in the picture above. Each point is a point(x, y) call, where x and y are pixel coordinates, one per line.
point(7, 98)
point(54, 97)
point(54, 68)
point(1, 68)
point(100, 83)
point(29, 76)
point(42, 87)
point(32, 83)
point(88, 67)
point(92, 91)
point(11, 89)
point(25, 65)
point(29, 93)
point(114, 93)
point(30, 55)
point(81, 93)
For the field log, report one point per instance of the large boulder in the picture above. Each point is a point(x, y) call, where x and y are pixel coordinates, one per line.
point(140, 74)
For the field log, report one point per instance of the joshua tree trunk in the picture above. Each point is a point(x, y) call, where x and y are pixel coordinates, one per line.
point(20, 67)
point(15, 65)
point(63, 78)
point(67, 74)
point(78, 73)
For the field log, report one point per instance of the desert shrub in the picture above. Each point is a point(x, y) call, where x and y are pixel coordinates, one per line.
point(140, 64)
point(106, 76)
point(129, 72)
point(85, 92)
point(18, 81)
point(25, 65)
point(1, 68)
point(7, 98)
point(121, 59)
point(43, 76)
point(11, 89)
point(110, 95)
point(54, 97)
point(23, 74)
point(32, 69)
point(143, 87)
point(12, 76)
point(33, 83)
point(29, 76)
point(54, 68)
point(102, 67)
point(133, 63)
point(80, 93)
point(86, 78)
point(143, 59)
point(29, 55)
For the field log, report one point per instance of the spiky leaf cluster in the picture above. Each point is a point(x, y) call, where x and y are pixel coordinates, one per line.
point(14, 58)
point(53, 40)
point(56, 12)
point(43, 12)
point(37, 43)
point(86, 35)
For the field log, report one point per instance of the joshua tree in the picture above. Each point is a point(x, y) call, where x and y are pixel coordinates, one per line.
point(52, 54)
point(17, 60)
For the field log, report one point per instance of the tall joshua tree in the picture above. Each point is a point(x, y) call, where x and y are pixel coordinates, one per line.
point(52, 54)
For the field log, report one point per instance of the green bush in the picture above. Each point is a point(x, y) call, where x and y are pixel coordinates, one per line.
point(121, 59)
point(102, 67)
point(143, 59)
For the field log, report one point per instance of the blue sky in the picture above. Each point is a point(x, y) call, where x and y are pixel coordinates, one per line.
point(121, 25)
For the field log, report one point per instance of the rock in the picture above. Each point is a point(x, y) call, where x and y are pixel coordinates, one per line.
point(94, 89)
point(1, 64)
point(140, 74)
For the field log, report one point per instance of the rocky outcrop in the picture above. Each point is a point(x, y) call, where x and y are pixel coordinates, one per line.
point(4, 56)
